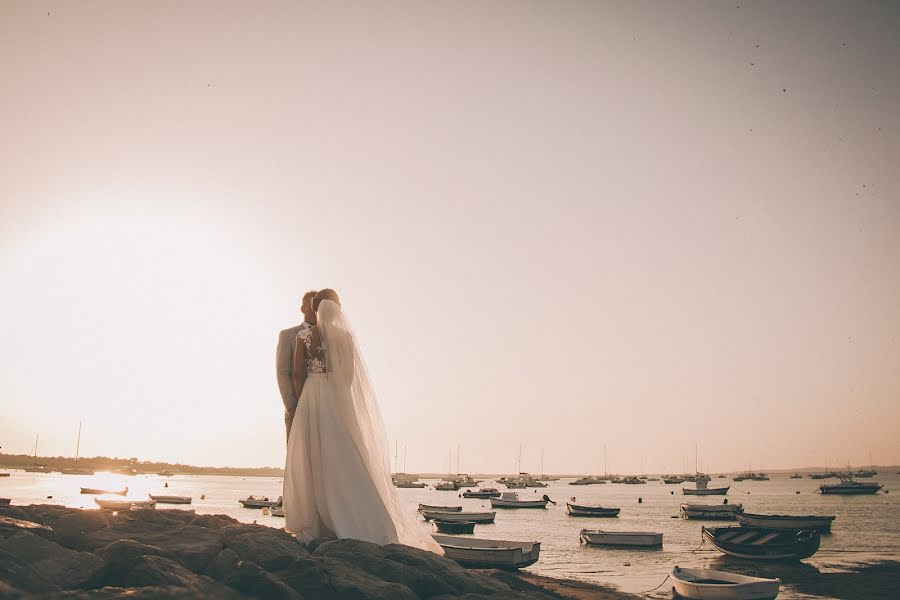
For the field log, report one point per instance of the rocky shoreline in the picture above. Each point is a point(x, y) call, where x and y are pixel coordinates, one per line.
point(54, 552)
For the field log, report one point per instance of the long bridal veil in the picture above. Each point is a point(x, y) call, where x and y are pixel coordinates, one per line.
point(356, 410)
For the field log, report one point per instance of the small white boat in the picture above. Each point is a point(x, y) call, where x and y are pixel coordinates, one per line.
point(475, 517)
point(119, 505)
point(482, 493)
point(172, 499)
point(440, 508)
point(497, 554)
point(277, 511)
point(409, 484)
point(706, 584)
point(723, 512)
point(446, 486)
point(644, 539)
point(512, 500)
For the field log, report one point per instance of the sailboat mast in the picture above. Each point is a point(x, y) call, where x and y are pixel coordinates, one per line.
point(395, 457)
point(542, 461)
point(519, 468)
point(457, 458)
point(604, 459)
point(404, 458)
point(78, 443)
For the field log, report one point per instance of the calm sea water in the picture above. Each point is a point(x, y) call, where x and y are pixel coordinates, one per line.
point(867, 528)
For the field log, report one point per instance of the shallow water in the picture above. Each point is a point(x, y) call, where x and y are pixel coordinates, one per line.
point(867, 528)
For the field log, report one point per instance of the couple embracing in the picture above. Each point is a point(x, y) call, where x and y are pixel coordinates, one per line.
point(337, 480)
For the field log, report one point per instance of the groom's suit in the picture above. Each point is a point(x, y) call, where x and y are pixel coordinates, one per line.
point(284, 370)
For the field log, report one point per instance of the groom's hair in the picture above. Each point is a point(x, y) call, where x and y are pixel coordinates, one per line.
point(308, 295)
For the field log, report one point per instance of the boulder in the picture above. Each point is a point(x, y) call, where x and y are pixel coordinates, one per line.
point(425, 573)
point(55, 564)
point(203, 591)
point(11, 526)
point(266, 548)
point(124, 553)
point(71, 527)
point(352, 583)
point(18, 574)
point(213, 521)
point(192, 546)
point(248, 578)
point(222, 564)
point(309, 577)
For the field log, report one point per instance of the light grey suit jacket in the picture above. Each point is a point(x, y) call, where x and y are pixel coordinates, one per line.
point(284, 364)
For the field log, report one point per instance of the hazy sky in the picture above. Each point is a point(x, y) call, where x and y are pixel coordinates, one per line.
point(560, 224)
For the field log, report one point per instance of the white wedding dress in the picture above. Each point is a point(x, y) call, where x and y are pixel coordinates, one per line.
point(337, 478)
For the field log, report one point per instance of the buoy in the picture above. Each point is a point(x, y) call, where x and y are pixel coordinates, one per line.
point(797, 492)
point(167, 484)
point(640, 500)
point(203, 497)
point(671, 492)
point(725, 501)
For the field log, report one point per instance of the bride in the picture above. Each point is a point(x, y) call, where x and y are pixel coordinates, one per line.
point(337, 480)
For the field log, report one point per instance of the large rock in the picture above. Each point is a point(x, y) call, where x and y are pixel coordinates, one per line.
point(329, 578)
point(123, 553)
point(222, 564)
point(192, 546)
point(18, 574)
point(266, 548)
point(213, 521)
point(204, 591)
point(11, 526)
point(70, 528)
point(425, 573)
point(60, 566)
point(248, 578)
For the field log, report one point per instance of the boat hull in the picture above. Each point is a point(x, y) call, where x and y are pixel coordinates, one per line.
point(494, 494)
point(120, 505)
point(578, 510)
point(786, 522)
point(622, 538)
point(171, 499)
point(763, 544)
point(497, 554)
point(501, 503)
point(453, 527)
point(706, 584)
point(721, 491)
point(477, 517)
point(837, 489)
point(440, 508)
point(714, 512)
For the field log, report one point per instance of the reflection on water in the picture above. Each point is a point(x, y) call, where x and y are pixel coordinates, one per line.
point(867, 528)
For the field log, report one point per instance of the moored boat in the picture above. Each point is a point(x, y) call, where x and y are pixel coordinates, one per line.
point(97, 491)
point(590, 510)
point(409, 484)
point(763, 544)
point(453, 527)
point(478, 517)
point(512, 500)
point(434, 507)
point(256, 502)
point(642, 539)
point(705, 491)
point(847, 486)
point(277, 511)
point(788, 522)
point(707, 584)
point(482, 493)
point(172, 499)
point(711, 512)
point(5, 501)
point(446, 486)
point(119, 505)
point(498, 554)
point(673, 480)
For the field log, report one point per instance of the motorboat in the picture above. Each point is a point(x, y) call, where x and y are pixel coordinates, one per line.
point(642, 539)
point(701, 489)
point(710, 512)
point(673, 480)
point(796, 476)
point(434, 507)
point(763, 544)
point(478, 517)
point(587, 481)
point(512, 500)
point(172, 499)
point(119, 505)
point(482, 493)
point(409, 484)
point(446, 486)
point(5, 501)
point(590, 510)
point(789, 522)
point(847, 487)
point(707, 584)
point(495, 554)
point(98, 492)
point(256, 502)
point(633, 480)
point(453, 527)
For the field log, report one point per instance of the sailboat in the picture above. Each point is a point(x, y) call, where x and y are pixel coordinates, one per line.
point(35, 467)
point(76, 470)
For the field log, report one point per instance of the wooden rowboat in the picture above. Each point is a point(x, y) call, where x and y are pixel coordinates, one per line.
point(440, 508)
point(722, 512)
point(597, 537)
point(256, 502)
point(763, 544)
point(98, 492)
point(453, 527)
point(172, 499)
point(482, 493)
point(497, 554)
point(707, 584)
point(791, 522)
point(590, 510)
point(119, 505)
point(512, 500)
point(478, 517)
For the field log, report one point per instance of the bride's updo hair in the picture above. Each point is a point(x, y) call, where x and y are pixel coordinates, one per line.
point(326, 294)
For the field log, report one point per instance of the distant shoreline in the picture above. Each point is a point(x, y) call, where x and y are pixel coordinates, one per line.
point(127, 466)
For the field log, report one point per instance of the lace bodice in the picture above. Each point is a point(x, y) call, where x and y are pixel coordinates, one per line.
point(315, 354)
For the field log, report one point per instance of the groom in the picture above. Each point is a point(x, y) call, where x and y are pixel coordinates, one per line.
point(284, 358)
